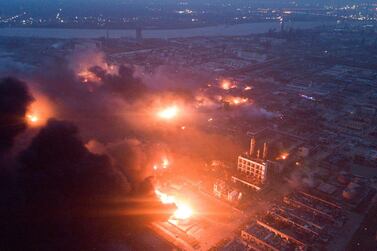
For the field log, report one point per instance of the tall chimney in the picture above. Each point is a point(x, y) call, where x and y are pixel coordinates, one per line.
point(252, 146)
point(265, 150)
point(258, 153)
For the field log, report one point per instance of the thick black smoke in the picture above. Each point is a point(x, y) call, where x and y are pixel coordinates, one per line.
point(123, 84)
point(67, 198)
point(59, 160)
point(97, 108)
point(14, 100)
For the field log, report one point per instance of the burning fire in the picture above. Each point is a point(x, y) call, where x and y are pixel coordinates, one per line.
point(227, 85)
point(236, 100)
point(88, 76)
point(283, 155)
point(239, 100)
point(168, 113)
point(39, 111)
point(32, 118)
point(183, 212)
point(165, 163)
point(83, 65)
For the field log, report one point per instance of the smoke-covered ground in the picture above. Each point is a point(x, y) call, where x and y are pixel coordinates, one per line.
point(78, 139)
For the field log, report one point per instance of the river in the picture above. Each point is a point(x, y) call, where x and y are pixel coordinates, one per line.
point(221, 30)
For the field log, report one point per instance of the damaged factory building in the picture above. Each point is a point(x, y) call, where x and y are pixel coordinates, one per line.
point(255, 167)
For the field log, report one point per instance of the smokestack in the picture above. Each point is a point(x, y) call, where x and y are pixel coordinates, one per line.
point(265, 150)
point(258, 153)
point(252, 146)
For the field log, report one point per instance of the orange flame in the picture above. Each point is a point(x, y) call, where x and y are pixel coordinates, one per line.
point(236, 100)
point(227, 85)
point(39, 111)
point(168, 113)
point(32, 118)
point(283, 156)
point(88, 76)
point(183, 212)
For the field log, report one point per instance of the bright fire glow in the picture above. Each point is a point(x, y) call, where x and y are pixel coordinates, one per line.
point(183, 211)
point(32, 118)
point(168, 112)
point(88, 76)
point(236, 100)
point(227, 85)
point(165, 163)
point(283, 155)
point(164, 198)
point(39, 111)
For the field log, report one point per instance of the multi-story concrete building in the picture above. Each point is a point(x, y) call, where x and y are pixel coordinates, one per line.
point(252, 169)
point(256, 168)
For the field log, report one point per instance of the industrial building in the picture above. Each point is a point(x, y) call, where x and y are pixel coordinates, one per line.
point(298, 222)
point(263, 238)
point(252, 169)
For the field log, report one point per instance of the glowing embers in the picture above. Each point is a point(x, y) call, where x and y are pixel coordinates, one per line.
point(168, 113)
point(183, 211)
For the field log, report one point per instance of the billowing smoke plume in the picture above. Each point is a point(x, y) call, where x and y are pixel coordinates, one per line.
point(58, 194)
point(64, 194)
point(65, 197)
point(58, 153)
point(14, 100)
point(124, 84)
